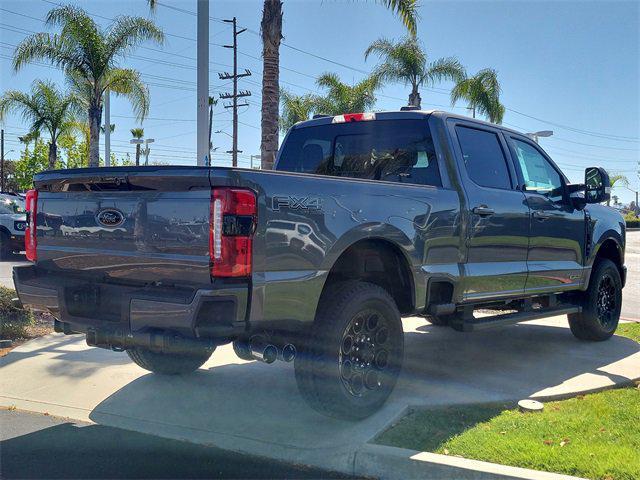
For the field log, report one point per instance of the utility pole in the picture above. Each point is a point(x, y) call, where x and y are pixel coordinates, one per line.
point(202, 55)
point(235, 95)
point(2, 158)
point(107, 129)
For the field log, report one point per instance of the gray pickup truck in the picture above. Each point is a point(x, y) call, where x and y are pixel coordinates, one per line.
point(366, 218)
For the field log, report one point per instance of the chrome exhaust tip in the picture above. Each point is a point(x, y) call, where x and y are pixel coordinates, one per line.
point(288, 353)
point(263, 351)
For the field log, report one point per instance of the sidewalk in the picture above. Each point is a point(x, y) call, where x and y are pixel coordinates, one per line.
point(253, 408)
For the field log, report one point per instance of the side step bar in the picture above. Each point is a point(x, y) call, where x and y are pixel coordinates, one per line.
point(470, 325)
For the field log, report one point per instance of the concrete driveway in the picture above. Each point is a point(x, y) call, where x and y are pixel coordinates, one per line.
point(255, 408)
point(6, 269)
point(631, 292)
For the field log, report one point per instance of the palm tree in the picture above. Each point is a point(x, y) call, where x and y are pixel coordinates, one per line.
point(406, 61)
point(46, 107)
point(616, 178)
point(88, 54)
point(296, 108)
point(271, 30)
point(112, 128)
point(342, 98)
point(482, 93)
point(137, 133)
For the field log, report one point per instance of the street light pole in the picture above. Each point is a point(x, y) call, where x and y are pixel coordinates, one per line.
point(202, 117)
point(147, 150)
point(107, 129)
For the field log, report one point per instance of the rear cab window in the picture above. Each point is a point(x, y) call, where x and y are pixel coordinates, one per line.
point(484, 158)
point(388, 150)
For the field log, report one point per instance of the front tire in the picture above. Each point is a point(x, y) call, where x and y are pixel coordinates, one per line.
point(169, 363)
point(601, 304)
point(353, 352)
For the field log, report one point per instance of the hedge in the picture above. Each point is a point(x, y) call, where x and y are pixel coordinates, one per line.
point(13, 320)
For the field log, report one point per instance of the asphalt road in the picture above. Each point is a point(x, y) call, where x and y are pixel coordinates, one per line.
point(39, 446)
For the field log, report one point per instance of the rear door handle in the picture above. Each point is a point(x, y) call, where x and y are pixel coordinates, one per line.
point(541, 214)
point(483, 211)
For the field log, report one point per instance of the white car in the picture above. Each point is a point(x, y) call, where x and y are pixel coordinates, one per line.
point(13, 222)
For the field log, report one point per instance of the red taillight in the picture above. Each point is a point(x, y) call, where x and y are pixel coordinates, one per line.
point(30, 238)
point(233, 217)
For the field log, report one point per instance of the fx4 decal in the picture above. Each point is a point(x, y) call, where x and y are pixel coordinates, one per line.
point(307, 204)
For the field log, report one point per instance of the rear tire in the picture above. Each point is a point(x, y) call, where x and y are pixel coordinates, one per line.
point(169, 363)
point(601, 304)
point(353, 353)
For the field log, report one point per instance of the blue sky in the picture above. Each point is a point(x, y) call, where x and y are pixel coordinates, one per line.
point(572, 67)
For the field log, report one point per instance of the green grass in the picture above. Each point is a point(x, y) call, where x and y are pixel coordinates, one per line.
point(595, 436)
point(629, 330)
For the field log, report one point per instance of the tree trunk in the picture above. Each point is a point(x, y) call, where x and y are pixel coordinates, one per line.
point(137, 154)
point(271, 27)
point(414, 98)
point(95, 120)
point(53, 155)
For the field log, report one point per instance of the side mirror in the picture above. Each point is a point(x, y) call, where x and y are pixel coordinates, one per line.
point(597, 185)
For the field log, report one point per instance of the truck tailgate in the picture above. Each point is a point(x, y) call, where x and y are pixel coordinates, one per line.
point(131, 225)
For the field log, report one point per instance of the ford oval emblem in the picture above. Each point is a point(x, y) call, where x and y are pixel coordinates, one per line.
point(110, 217)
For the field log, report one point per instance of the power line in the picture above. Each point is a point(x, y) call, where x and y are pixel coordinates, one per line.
point(559, 125)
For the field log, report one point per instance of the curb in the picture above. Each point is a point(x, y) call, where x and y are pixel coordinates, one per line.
point(398, 463)
point(367, 460)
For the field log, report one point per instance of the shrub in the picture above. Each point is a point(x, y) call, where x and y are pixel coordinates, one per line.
point(632, 220)
point(13, 320)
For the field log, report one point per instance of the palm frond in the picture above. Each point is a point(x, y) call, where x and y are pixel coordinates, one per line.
point(481, 92)
point(448, 68)
point(127, 32)
point(296, 108)
point(79, 29)
point(44, 46)
point(127, 83)
point(407, 10)
point(342, 98)
point(381, 47)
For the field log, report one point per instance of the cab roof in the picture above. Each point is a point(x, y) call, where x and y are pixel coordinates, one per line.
point(398, 115)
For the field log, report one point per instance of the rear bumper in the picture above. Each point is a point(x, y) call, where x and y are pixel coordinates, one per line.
point(208, 313)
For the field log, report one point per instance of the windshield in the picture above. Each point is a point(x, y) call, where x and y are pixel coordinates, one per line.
point(11, 205)
point(391, 150)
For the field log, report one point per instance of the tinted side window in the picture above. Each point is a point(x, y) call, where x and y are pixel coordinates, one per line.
point(394, 151)
point(539, 175)
point(483, 157)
